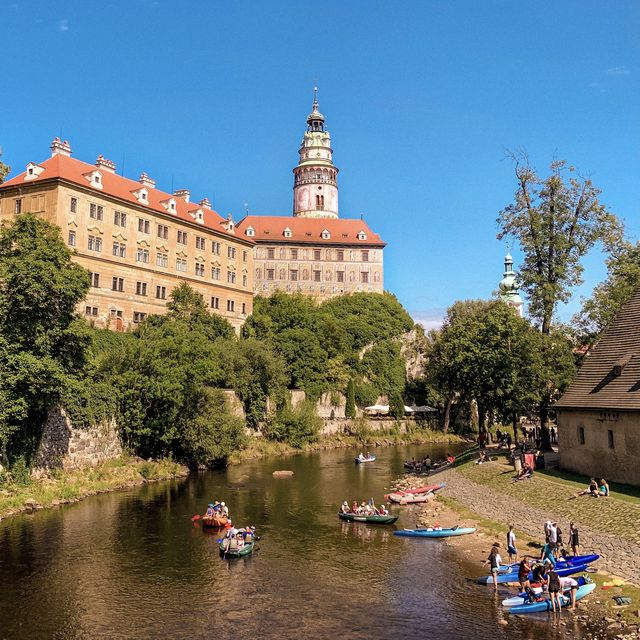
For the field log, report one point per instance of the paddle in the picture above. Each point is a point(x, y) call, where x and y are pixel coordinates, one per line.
point(196, 517)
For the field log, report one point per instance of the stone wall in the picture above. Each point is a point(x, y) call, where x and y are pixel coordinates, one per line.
point(595, 457)
point(69, 447)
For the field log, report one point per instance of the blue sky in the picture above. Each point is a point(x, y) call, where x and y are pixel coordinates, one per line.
point(422, 99)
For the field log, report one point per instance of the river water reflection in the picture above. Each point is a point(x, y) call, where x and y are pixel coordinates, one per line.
point(132, 565)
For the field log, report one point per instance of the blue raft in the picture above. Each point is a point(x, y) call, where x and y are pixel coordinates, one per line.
point(545, 605)
point(562, 569)
point(434, 533)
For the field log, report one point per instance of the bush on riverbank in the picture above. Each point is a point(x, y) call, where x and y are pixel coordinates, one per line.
point(59, 487)
point(295, 426)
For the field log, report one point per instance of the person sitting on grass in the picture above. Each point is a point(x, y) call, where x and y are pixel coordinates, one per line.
point(525, 473)
point(603, 489)
point(592, 490)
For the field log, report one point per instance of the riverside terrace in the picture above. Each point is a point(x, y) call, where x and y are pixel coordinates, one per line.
point(608, 526)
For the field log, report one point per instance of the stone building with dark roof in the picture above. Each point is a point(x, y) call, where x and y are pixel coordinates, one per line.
point(599, 415)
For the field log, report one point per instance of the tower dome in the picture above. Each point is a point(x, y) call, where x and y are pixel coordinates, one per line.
point(509, 287)
point(315, 186)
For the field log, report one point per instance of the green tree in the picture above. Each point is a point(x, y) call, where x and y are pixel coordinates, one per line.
point(556, 220)
point(296, 426)
point(166, 382)
point(623, 278)
point(258, 376)
point(4, 169)
point(350, 408)
point(487, 354)
point(42, 343)
point(396, 405)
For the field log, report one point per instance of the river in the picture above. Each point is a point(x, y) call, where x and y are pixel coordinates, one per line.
point(131, 564)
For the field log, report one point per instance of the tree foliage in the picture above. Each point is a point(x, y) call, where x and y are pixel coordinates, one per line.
point(487, 354)
point(350, 407)
point(326, 345)
point(623, 278)
point(43, 346)
point(556, 220)
point(4, 169)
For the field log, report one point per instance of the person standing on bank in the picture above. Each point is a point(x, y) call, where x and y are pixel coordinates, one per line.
point(511, 545)
point(574, 539)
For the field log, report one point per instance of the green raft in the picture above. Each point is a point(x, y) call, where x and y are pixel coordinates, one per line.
point(246, 550)
point(352, 517)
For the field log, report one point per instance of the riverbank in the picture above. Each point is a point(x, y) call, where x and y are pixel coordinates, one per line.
point(262, 448)
point(485, 497)
point(59, 487)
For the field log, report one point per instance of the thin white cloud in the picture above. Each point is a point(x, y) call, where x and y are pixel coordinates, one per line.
point(429, 318)
point(618, 71)
point(63, 25)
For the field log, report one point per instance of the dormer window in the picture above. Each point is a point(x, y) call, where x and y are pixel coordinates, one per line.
point(287, 233)
point(142, 195)
point(197, 215)
point(326, 235)
point(250, 232)
point(169, 205)
point(94, 178)
point(362, 235)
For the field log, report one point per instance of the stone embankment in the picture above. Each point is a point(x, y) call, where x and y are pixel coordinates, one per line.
point(620, 556)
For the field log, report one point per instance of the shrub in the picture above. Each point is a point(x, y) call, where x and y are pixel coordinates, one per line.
point(20, 472)
point(297, 426)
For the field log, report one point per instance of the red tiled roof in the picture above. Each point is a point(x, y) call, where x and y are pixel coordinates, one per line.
point(309, 230)
point(609, 378)
point(72, 170)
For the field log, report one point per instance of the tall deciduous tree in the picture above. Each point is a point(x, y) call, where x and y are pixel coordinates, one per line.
point(42, 344)
point(556, 220)
point(623, 278)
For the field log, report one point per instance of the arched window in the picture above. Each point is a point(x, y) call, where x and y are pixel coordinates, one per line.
point(319, 202)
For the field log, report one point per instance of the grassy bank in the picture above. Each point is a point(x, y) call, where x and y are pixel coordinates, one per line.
point(261, 447)
point(61, 487)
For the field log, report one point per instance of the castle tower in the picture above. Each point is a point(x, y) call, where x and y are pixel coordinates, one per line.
point(315, 185)
point(509, 287)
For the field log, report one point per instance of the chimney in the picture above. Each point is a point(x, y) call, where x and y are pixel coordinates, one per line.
point(60, 148)
point(107, 165)
point(205, 202)
point(182, 193)
point(147, 181)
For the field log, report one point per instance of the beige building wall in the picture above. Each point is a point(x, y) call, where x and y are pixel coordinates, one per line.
point(120, 243)
point(603, 444)
point(317, 270)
